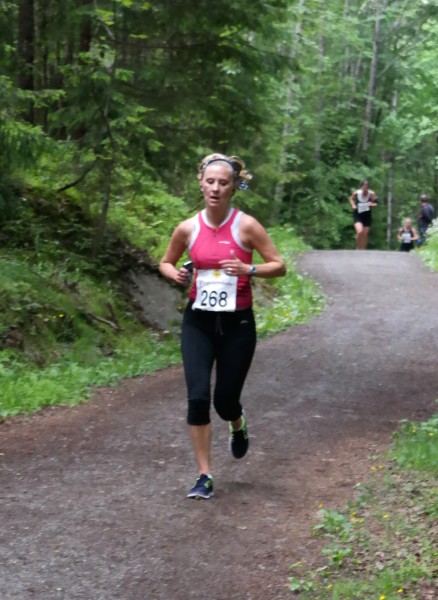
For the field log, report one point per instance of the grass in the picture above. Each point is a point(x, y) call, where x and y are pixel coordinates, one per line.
point(286, 301)
point(61, 355)
point(416, 444)
point(384, 544)
point(55, 351)
point(69, 382)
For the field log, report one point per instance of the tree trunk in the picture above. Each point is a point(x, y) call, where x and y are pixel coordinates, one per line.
point(391, 176)
point(347, 67)
point(85, 30)
point(379, 5)
point(287, 126)
point(85, 39)
point(389, 207)
point(101, 227)
point(110, 161)
point(26, 48)
point(320, 105)
point(41, 44)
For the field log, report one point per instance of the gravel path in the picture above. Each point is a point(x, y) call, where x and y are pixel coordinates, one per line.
point(93, 498)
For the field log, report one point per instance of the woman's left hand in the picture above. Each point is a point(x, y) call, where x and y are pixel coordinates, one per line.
point(234, 266)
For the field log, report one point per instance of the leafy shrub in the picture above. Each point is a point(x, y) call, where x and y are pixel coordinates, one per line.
point(429, 251)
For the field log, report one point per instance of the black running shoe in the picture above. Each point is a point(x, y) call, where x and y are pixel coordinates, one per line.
point(239, 440)
point(203, 488)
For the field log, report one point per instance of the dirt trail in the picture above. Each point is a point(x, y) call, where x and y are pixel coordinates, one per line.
point(93, 500)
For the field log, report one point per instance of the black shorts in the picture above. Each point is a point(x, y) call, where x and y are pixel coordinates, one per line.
point(364, 217)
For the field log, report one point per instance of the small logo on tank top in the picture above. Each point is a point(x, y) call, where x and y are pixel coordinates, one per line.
point(224, 242)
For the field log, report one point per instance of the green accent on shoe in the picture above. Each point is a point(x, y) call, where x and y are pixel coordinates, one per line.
point(203, 488)
point(239, 439)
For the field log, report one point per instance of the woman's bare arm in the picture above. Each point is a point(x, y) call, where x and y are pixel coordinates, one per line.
point(176, 248)
point(255, 236)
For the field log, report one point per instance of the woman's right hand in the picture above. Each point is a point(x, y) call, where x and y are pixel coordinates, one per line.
point(183, 276)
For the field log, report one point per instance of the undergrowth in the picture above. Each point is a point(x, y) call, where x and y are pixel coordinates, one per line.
point(65, 329)
point(429, 251)
point(288, 300)
point(384, 544)
point(64, 332)
point(70, 381)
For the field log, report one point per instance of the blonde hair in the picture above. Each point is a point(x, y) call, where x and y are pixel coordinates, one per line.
point(241, 175)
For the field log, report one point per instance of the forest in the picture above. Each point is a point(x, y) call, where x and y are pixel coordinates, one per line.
point(107, 108)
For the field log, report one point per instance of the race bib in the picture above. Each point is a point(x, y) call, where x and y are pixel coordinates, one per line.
point(215, 291)
point(362, 207)
point(407, 238)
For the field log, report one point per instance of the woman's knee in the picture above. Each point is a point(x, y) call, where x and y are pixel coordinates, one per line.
point(228, 411)
point(198, 412)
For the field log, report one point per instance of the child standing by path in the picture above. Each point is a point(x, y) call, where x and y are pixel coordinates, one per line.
point(407, 236)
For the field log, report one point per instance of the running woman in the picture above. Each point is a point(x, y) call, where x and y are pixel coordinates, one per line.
point(218, 322)
point(361, 202)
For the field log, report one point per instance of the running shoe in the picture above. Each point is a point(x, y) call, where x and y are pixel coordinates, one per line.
point(239, 440)
point(203, 488)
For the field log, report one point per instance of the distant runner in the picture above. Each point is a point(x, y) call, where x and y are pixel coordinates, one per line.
point(407, 236)
point(362, 200)
point(218, 323)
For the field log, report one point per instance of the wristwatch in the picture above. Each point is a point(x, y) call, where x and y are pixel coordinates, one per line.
point(252, 270)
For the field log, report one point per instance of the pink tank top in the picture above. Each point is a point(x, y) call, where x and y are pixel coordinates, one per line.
point(208, 246)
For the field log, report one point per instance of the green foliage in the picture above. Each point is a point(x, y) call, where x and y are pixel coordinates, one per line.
point(55, 349)
point(333, 523)
point(41, 313)
point(296, 298)
point(326, 103)
point(20, 143)
point(158, 87)
point(429, 251)
point(125, 97)
point(416, 445)
point(55, 328)
point(27, 389)
point(131, 95)
point(137, 214)
point(383, 544)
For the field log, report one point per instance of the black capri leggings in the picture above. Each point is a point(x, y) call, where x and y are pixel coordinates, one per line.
point(229, 338)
